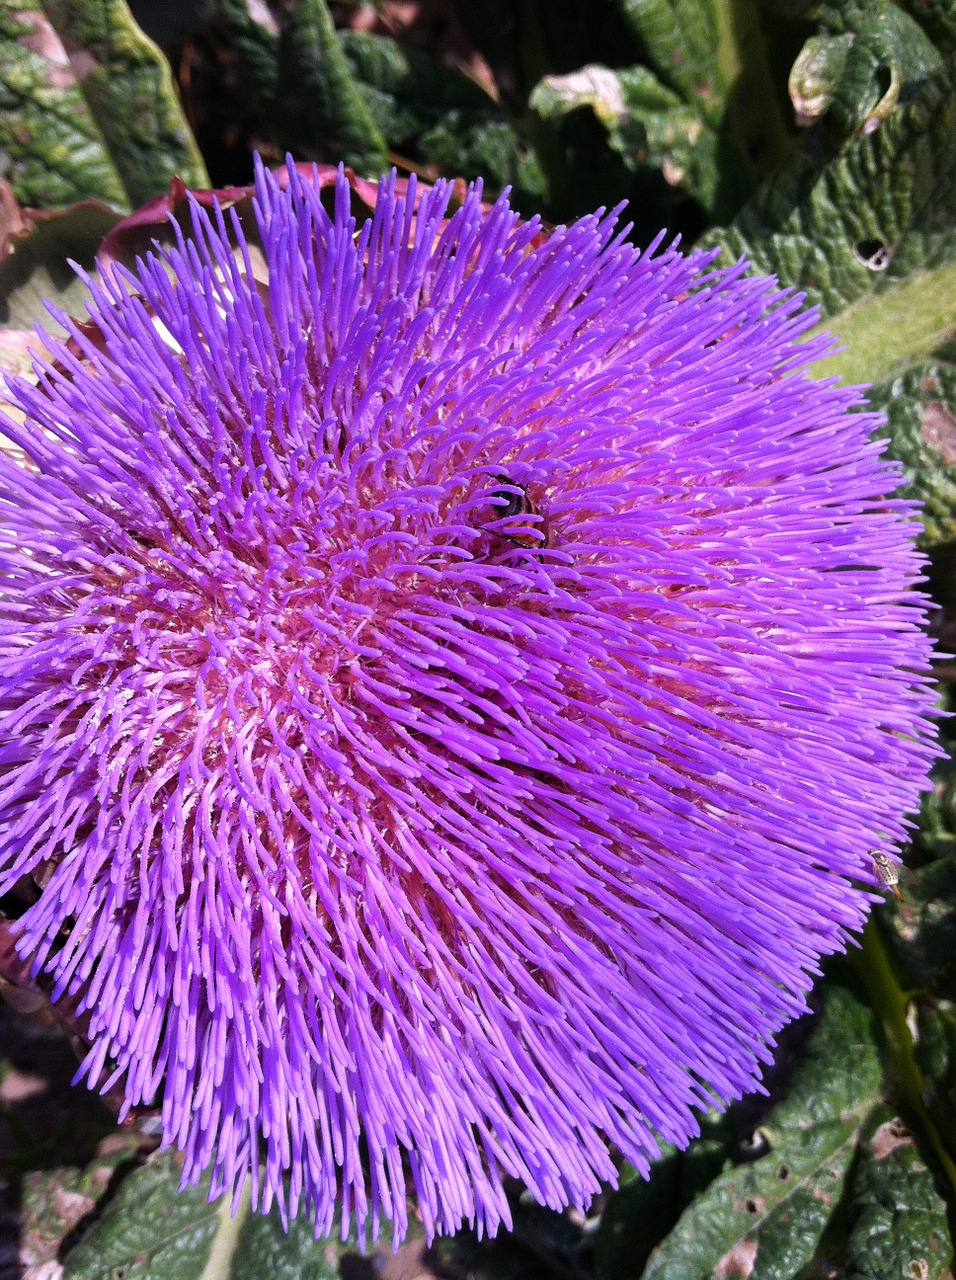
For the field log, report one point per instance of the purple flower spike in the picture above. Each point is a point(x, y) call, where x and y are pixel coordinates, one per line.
point(453, 689)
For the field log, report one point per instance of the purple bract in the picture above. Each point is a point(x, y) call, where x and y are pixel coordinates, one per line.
point(454, 683)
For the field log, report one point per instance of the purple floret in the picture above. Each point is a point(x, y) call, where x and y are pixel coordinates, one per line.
point(455, 681)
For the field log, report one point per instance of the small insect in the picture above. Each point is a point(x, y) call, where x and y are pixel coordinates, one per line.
point(887, 874)
point(511, 502)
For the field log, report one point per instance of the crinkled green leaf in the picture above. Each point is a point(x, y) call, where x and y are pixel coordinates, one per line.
point(151, 1231)
point(267, 1251)
point(56, 151)
point(870, 56)
point(682, 42)
point(870, 237)
point(253, 36)
point(816, 75)
point(435, 114)
point(920, 407)
point(129, 90)
point(765, 1219)
point(319, 98)
point(491, 148)
point(898, 1228)
point(87, 107)
point(412, 79)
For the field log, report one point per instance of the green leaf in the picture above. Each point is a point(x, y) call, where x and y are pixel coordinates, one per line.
point(411, 78)
point(898, 1219)
point(265, 1249)
point(88, 108)
point(129, 90)
point(872, 56)
point(149, 1232)
point(253, 36)
point(715, 56)
point(920, 406)
point(681, 39)
point(816, 74)
point(491, 148)
point(647, 124)
point(152, 1231)
point(38, 270)
point(320, 100)
point(766, 1219)
point(938, 20)
point(869, 237)
point(57, 154)
point(55, 1201)
point(923, 928)
point(704, 114)
point(436, 115)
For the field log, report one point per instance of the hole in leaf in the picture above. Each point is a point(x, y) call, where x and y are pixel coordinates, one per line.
point(783, 1173)
point(872, 253)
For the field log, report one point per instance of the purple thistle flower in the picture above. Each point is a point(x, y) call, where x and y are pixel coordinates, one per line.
point(452, 694)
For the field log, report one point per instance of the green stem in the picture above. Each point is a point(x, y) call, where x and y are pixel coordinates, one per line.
point(883, 329)
point(891, 1003)
point(226, 1240)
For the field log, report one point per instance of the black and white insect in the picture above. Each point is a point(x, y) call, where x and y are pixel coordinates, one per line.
point(888, 874)
point(510, 502)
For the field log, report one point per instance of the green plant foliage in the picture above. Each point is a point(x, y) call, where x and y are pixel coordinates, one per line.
point(255, 44)
point(38, 270)
point(642, 1211)
point(872, 57)
point(690, 114)
point(868, 236)
point(682, 43)
point(56, 1202)
point(88, 108)
point(770, 1215)
point(150, 1230)
point(55, 151)
point(920, 407)
point(897, 1218)
point(647, 123)
point(129, 90)
point(421, 104)
point(392, 100)
point(935, 1056)
point(318, 96)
